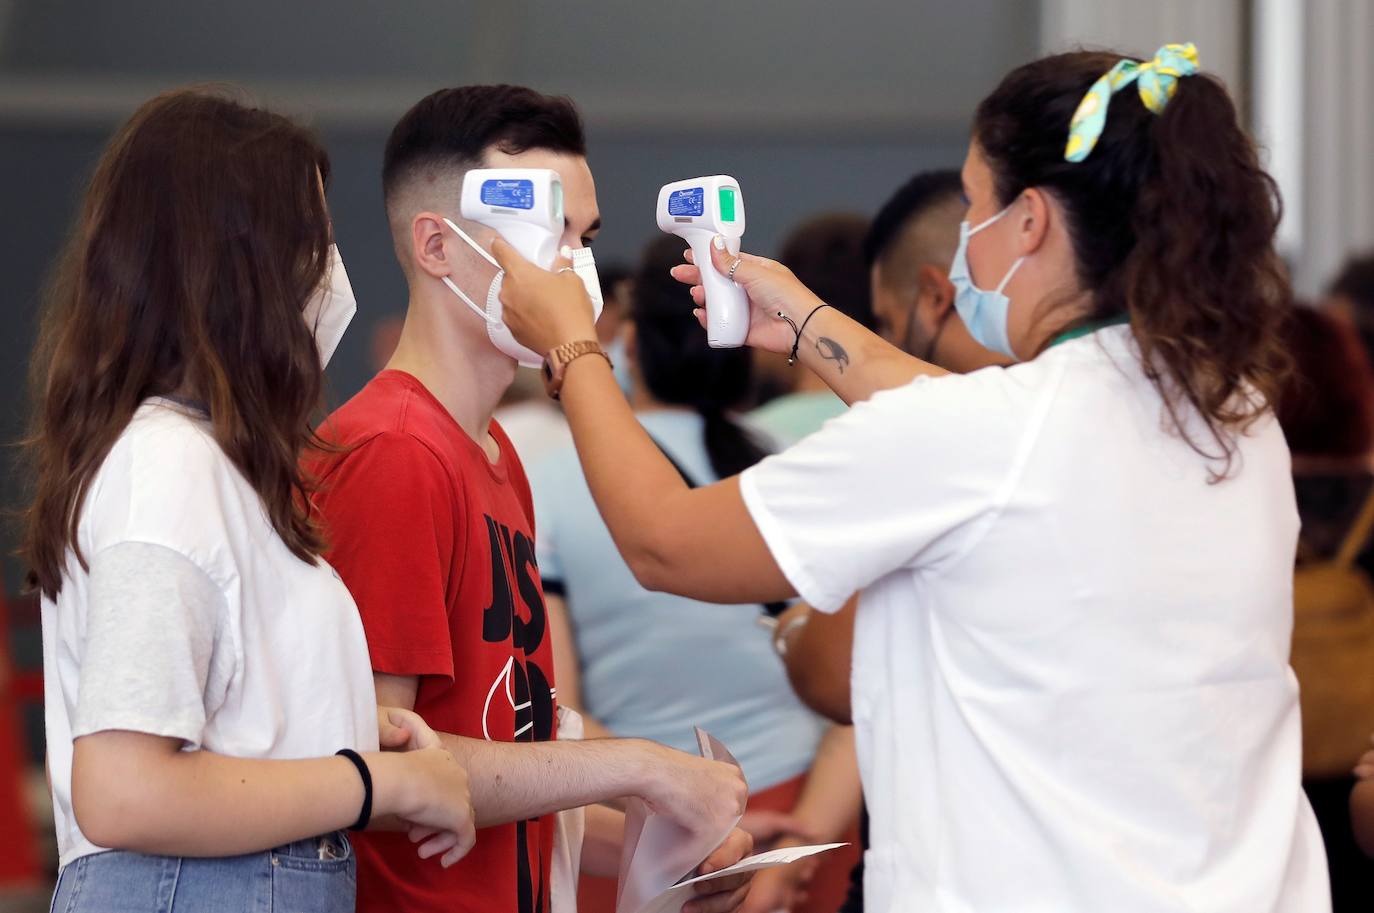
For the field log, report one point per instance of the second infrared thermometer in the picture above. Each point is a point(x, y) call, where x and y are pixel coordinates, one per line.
point(696, 211)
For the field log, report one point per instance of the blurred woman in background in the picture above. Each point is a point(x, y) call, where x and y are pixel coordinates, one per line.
point(1327, 414)
point(653, 665)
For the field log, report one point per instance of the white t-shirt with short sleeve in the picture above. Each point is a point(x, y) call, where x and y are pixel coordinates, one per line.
point(194, 620)
point(1071, 683)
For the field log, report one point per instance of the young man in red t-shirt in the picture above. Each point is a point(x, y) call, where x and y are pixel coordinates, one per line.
point(431, 526)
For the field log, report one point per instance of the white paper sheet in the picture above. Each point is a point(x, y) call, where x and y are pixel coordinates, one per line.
point(671, 900)
point(660, 855)
point(659, 852)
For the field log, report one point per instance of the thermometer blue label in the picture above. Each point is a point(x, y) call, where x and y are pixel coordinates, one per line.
point(690, 201)
point(517, 194)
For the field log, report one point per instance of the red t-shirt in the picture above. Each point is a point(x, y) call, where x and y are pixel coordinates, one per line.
point(436, 543)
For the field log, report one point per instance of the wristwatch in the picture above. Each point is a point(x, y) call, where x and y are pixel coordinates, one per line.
point(557, 361)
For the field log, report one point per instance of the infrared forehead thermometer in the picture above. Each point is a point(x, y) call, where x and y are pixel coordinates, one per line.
point(696, 211)
point(524, 205)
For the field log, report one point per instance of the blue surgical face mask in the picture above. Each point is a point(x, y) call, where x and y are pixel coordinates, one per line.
point(983, 311)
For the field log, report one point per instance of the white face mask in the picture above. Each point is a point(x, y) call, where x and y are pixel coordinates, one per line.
point(497, 331)
point(331, 308)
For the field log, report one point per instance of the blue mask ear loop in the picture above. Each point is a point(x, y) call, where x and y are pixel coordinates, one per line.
point(984, 224)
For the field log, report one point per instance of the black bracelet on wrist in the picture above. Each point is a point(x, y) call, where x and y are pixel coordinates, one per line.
point(365, 815)
point(792, 357)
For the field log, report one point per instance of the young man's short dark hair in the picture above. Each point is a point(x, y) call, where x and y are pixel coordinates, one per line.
point(909, 202)
point(451, 128)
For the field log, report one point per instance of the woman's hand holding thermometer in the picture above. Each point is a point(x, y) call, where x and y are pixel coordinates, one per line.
point(699, 210)
point(770, 289)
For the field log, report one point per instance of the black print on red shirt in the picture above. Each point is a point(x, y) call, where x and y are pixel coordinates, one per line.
point(525, 684)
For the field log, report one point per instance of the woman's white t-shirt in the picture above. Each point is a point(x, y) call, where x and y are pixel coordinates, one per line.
point(1071, 683)
point(194, 620)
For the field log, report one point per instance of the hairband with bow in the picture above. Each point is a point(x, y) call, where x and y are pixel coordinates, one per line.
point(1156, 80)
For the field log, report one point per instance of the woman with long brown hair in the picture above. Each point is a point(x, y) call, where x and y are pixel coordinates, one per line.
point(1070, 682)
point(211, 721)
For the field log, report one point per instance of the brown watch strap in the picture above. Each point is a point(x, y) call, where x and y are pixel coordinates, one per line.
point(557, 361)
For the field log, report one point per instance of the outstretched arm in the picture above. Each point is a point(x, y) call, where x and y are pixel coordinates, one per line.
point(512, 781)
point(853, 360)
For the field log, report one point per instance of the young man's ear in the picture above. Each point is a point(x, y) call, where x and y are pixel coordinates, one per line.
point(935, 293)
point(427, 248)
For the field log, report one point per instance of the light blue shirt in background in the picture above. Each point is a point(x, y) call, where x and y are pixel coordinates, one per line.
point(793, 416)
point(655, 665)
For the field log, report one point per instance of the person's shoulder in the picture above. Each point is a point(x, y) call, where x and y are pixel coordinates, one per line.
point(167, 481)
point(975, 394)
point(393, 418)
point(166, 447)
point(388, 402)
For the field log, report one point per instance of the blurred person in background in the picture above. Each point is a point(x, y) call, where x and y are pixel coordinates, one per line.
point(1362, 804)
point(1327, 415)
point(192, 729)
point(827, 252)
point(908, 250)
point(653, 665)
point(1351, 297)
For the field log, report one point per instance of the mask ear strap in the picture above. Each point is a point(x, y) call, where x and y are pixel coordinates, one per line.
point(1011, 272)
point(453, 287)
point(988, 222)
point(473, 244)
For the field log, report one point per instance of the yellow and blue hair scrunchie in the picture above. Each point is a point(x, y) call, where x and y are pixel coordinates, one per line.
point(1156, 80)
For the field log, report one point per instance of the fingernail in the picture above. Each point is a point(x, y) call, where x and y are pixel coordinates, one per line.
point(718, 242)
point(565, 252)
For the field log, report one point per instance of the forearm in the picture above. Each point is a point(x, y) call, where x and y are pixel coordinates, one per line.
point(1362, 815)
point(512, 781)
point(700, 543)
point(204, 804)
point(819, 660)
point(603, 842)
point(830, 802)
point(853, 360)
point(613, 447)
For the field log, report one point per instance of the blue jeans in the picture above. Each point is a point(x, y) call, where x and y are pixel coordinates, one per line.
point(309, 876)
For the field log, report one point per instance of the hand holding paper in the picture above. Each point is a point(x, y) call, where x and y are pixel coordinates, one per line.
point(660, 853)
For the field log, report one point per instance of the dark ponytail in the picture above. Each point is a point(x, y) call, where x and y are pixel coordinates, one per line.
point(1172, 221)
point(680, 369)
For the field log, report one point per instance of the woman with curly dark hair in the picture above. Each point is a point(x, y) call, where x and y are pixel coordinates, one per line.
point(1071, 687)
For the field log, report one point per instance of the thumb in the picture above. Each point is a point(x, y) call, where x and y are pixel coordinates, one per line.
point(507, 256)
point(724, 261)
point(389, 735)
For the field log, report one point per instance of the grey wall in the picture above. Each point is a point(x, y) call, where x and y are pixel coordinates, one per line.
point(812, 105)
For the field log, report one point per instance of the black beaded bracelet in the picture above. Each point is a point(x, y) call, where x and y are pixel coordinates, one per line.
point(792, 357)
point(365, 815)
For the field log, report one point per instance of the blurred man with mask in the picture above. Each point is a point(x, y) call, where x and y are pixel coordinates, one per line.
point(430, 523)
point(908, 250)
